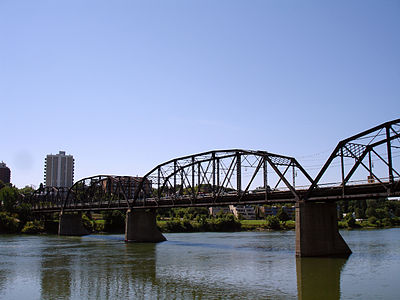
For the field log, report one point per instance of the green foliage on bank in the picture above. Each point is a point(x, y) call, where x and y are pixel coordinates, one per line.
point(370, 213)
point(13, 213)
point(219, 224)
point(8, 223)
point(33, 227)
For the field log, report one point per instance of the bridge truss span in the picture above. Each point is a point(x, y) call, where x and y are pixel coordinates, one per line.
point(368, 160)
point(221, 177)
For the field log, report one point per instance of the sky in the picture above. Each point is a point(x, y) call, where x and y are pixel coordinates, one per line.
point(126, 85)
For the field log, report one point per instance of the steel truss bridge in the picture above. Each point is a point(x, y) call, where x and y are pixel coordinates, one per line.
point(363, 166)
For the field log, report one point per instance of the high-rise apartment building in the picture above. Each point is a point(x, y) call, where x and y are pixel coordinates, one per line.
point(5, 173)
point(59, 170)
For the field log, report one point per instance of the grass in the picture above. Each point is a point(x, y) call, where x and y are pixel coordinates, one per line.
point(253, 222)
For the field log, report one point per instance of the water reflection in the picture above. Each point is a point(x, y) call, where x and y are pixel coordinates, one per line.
point(97, 269)
point(55, 277)
point(319, 278)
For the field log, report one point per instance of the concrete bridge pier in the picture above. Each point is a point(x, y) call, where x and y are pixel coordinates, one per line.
point(71, 224)
point(317, 231)
point(141, 226)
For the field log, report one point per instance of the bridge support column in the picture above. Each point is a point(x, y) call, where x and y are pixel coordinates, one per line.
point(71, 224)
point(317, 231)
point(141, 227)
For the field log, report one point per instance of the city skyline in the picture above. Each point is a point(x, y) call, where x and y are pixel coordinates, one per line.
point(129, 85)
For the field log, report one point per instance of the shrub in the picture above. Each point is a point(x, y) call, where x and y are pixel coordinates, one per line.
point(350, 221)
point(282, 215)
point(33, 227)
point(387, 222)
point(87, 223)
point(99, 225)
point(8, 223)
point(272, 222)
point(372, 220)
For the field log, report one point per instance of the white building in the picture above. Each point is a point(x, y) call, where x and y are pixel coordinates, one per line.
point(59, 170)
point(246, 212)
point(218, 209)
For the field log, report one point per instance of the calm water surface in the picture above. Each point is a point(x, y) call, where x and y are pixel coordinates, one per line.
point(252, 265)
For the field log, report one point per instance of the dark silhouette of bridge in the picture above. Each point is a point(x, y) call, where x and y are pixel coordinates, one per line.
point(363, 166)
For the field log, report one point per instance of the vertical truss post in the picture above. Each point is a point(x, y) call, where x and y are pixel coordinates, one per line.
point(370, 166)
point(159, 183)
point(213, 174)
point(265, 173)
point(218, 173)
point(182, 182)
point(342, 168)
point(294, 176)
point(238, 173)
point(193, 175)
point(389, 153)
point(174, 177)
point(198, 177)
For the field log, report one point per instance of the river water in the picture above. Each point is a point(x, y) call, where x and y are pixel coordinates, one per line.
point(240, 265)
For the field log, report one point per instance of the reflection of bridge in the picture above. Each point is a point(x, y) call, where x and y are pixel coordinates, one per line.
point(365, 163)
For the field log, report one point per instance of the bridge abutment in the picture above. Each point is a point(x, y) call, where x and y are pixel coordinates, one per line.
point(141, 226)
point(317, 231)
point(71, 224)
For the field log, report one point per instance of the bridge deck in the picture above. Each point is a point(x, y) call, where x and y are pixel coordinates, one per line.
point(326, 194)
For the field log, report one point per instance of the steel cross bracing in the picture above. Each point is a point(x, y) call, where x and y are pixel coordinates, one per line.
point(370, 151)
point(100, 192)
point(220, 177)
point(237, 176)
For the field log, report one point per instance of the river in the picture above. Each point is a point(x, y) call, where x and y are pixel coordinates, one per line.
point(239, 265)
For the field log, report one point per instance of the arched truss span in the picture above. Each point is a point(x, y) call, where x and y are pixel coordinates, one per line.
point(101, 192)
point(48, 198)
point(220, 176)
point(370, 157)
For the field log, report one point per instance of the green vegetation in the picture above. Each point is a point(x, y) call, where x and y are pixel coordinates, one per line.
point(33, 227)
point(13, 213)
point(222, 223)
point(369, 213)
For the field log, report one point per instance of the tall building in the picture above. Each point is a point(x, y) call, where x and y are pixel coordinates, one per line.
point(59, 170)
point(5, 173)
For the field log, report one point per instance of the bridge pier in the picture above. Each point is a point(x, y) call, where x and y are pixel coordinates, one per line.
point(317, 231)
point(141, 226)
point(71, 224)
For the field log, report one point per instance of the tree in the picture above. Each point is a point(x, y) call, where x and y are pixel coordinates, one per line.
point(360, 214)
point(282, 215)
point(273, 222)
point(371, 212)
point(9, 198)
point(27, 190)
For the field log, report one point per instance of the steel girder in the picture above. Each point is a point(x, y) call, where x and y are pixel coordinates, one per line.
point(91, 193)
point(377, 142)
point(214, 175)
point(45, 198)
point(102, 192)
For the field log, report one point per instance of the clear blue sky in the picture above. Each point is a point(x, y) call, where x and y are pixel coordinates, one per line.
point(125, 85)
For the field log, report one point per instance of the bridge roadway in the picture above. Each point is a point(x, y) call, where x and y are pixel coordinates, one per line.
point(323, 194)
